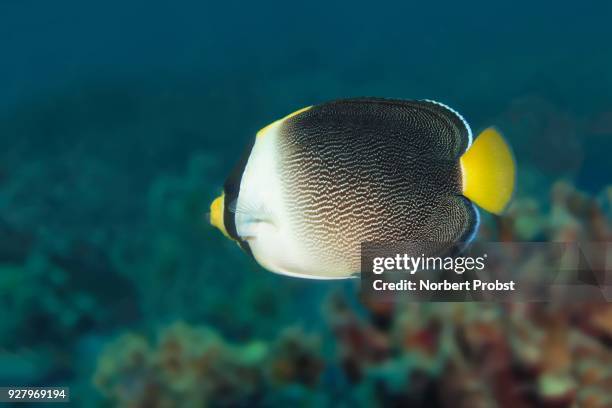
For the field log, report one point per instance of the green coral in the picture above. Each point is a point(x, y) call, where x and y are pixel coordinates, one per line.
point(35, 295)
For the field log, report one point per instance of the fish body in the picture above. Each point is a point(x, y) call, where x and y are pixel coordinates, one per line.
point(319, 182)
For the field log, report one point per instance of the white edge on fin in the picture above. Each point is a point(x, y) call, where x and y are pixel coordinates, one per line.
point(473, 234)
point(467, 126)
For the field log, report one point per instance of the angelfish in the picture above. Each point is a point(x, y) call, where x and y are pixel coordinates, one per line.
point(320, 181)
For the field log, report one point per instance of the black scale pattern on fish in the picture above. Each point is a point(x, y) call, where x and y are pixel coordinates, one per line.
point(374, 170)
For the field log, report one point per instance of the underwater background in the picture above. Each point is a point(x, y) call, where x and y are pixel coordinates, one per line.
point(119, 121)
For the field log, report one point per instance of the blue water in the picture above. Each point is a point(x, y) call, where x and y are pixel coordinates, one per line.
point(120, 120)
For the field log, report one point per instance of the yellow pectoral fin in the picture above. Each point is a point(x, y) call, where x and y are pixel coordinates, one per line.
point(489, 171)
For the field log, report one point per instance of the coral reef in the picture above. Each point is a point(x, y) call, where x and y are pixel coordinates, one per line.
point(193, 366)
point(487, 355)
point(48, 304)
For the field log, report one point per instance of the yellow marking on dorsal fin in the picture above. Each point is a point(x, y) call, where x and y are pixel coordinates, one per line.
point(217, 209)
point(489, 171)
point(264, 130)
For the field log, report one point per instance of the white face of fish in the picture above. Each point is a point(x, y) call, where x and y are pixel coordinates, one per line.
point(263, 221)
point(260, 214)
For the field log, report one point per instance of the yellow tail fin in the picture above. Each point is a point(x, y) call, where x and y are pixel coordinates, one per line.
point(488, 171)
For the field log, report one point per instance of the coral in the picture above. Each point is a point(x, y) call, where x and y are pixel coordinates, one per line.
point(45, 292)
point(186, 367)
point(52, 299)
point(193, 366)
point(486, 355)
point(296, 359)
point(572, 216)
